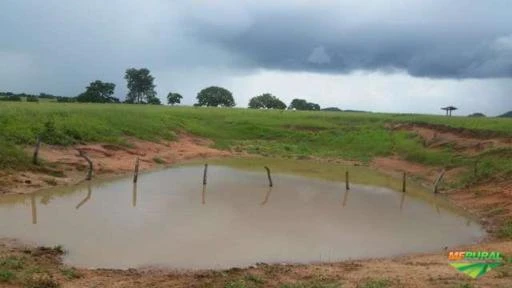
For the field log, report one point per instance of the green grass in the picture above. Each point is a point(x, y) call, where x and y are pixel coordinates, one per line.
point(375, 283)
point(6, 276)
point(70, 273)
point(351, 136)
point(506, 230)
point(313, 284)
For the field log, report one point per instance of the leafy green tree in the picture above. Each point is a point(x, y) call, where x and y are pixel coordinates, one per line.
point(215, 96)
point(174, 98)
point(140, 84)
point(301, 104)
point(266, 100)
point(32, 98)
point(98, 92)
point(154, 101)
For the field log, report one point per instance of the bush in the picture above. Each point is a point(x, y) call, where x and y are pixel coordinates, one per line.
point(32, 99)
point(15, 98)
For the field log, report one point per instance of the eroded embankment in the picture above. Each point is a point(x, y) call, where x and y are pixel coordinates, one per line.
point(489, 199)
point(66, 167)
point(492, 201)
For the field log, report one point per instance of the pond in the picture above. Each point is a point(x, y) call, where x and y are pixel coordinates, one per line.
point(170, 219)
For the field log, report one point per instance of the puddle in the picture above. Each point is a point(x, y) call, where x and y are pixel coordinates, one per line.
point(236, 220)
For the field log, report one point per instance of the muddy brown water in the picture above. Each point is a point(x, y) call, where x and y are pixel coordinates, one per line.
point(237, 220)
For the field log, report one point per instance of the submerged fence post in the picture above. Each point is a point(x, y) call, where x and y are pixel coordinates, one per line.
point(136, 171)
point(404, 181)
point(270, 184)
point(36, 151)
point(438, 180)
point(205, 174)
point(89, 173)
point(347, 186)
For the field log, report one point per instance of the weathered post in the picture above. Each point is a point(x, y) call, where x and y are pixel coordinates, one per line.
point(270, 184)
point(36, 151)
point(438, 180)
point(205, 173)
point(89, 173)
point(404, 177)
point(136, 171)
point(347, 186)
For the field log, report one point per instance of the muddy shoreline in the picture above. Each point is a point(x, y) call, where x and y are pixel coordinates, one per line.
point(416, 270)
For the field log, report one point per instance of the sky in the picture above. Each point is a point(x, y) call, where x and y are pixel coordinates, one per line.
point(385, 56)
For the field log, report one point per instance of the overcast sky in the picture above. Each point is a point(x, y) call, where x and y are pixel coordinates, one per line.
point(389, 55)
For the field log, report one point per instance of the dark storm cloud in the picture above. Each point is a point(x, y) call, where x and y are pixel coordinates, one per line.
point(59, 46)
point(443, 39)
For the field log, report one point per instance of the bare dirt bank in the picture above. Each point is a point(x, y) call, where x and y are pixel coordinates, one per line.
point(44, 266)
point(67, 168)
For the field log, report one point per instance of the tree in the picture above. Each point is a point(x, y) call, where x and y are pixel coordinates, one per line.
point(215, 96)
point(507, 114)
point(98, 92)
point(266, 100)
point(301, 104)
point(174, 98)
point(140, 84)
point(154, 101)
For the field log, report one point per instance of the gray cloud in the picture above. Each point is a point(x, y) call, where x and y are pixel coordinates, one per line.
point(59, 47)
point(443, 39)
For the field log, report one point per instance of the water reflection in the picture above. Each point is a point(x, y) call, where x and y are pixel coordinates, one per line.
point(402, 202)
point(436, 206)
point(34, 208)
point(345, 197)
point(302, 214)
point(203, 195)
point(89, 192)
point(267, 196)
point(134, 195)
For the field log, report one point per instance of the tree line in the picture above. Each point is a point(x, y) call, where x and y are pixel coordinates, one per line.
point(141, 87)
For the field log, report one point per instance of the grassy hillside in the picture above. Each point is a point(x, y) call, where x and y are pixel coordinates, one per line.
point(357, 136)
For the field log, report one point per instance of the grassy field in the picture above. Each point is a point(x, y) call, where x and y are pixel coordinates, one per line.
point(351, 136)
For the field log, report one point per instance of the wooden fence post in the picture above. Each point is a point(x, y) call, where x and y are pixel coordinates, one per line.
point(136, 171)
point(205, 173)
point(347, 186)
point(404, 182)
point(36, 151)
point(438, 180)
point(89, 173)
point(270, 184)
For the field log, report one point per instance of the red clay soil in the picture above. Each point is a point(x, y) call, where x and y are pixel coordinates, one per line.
point(108, 160)
point(492, 202)
point(462, 140)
